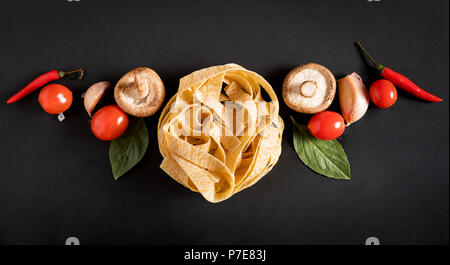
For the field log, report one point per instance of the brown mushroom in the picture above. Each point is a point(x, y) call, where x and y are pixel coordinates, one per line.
point(140, 92)
point(309, 88)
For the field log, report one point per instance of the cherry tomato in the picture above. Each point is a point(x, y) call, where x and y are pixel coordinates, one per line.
point(326, 125)
point(383, 93)
point(55, 98)
point(109, 123)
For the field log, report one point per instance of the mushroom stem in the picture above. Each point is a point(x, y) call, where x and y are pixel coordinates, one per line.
point(308, 88)
point(142, 87)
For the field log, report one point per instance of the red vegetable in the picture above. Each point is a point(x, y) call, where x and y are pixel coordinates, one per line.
point(326, 125)
point(401, 81)
point(43, 80)
point(55, 98)
point(383, 93)
point(109, 123)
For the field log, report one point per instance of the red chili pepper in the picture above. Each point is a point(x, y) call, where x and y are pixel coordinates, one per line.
point(44, 79)
point(399, 80)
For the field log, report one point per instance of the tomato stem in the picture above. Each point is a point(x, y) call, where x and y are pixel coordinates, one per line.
point(61, 117)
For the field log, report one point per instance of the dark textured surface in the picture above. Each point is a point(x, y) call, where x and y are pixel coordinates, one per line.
point(55, 178)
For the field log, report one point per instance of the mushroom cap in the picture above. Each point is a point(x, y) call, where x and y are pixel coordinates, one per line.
point(140, 92)
point(309, 88)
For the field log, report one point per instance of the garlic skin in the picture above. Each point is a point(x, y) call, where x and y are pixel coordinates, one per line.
point(94, 94)
point(353, 98)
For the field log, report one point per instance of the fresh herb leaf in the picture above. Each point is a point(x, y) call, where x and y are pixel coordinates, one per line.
point(126, 151)
point(327, 158)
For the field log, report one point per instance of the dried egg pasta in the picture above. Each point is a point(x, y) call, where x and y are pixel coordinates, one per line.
point(217, 135)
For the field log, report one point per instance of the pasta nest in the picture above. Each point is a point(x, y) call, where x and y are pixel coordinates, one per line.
point(217, 134)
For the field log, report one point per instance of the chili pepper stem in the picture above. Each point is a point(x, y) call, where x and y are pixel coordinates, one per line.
point(80, 73)
point(379, 67)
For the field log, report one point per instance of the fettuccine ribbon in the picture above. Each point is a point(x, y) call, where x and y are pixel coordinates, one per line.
point(217, 135)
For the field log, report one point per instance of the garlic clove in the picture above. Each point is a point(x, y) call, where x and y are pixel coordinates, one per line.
point(94, 94)
point(353, 98)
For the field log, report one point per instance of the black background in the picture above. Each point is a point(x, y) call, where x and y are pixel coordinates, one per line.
point(55, 177)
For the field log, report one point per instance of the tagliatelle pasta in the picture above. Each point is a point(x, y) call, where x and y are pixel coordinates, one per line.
point(217, 135)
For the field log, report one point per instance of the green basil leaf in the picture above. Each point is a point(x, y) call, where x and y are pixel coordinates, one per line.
point(324, 157)
point(126, 151)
